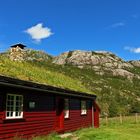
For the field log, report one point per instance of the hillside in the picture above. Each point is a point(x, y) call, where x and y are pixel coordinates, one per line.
point(114, 81)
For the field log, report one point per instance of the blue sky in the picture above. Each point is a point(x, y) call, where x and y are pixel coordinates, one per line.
point(56, 26)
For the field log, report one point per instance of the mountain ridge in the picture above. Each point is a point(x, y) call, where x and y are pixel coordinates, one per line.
point(101, 62)
point(116, 94)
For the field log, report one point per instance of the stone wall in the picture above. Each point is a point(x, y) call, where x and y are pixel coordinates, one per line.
point(17, 54)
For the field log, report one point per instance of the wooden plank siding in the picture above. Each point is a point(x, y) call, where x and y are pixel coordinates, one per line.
point(76, 120)
point(34, 124)
point(41, 119)
point(96, 115)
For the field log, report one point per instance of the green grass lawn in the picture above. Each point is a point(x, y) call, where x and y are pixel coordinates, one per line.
point(110, 132)
point(114, 130)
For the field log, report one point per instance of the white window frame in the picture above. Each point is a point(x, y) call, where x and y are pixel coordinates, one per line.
point(83, 107)
point(66, 109)
point(14, 106)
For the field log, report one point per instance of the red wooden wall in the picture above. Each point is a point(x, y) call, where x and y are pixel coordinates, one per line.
point(35, 123)
point(96, 115)
point(42, 119)
point(77, 120)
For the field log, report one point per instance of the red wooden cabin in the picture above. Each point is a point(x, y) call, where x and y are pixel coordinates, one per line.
point(31, 109)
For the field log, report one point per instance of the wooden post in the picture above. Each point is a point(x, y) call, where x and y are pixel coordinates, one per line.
point(106, 119)
point(121, 118)
point(136, 117)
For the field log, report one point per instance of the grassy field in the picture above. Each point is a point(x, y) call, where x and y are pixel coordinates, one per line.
point(113, 132)
point(128, 130)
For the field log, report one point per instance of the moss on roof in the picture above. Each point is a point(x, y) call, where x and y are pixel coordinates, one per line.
point(39, 72)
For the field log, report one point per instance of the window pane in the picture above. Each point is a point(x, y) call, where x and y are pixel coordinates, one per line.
point(14, 106)
point(83, 107)
point(66, 108)
point(8, 102)
point(11, 114)
point(17, 98)
point(8, 108)
point(11, 108)
point(17, 108)
point(17, 113)
point(18, 103)
point(31, 105)
point(11, 97)
point(7, 114)
point(12, 103)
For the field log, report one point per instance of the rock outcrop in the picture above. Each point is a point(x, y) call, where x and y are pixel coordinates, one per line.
point(101, 62)
point(135, 63)
point(28, 55)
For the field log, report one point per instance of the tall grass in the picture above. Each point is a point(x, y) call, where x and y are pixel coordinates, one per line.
point(31, 71)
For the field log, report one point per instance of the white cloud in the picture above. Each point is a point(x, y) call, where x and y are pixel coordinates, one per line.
point(38, 32)
point(132, 49)
point(118, 24)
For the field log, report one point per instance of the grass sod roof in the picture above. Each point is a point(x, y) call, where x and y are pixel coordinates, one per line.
point(8, 81)
point(40, 73)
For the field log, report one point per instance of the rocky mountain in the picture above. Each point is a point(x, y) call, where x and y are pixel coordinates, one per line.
point(135, 63)
point(101, 62)
point(115, 82)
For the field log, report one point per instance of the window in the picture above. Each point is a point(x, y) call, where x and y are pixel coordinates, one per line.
point(14, 106)
point(31, 105)
point(83, 108)
point(66, 108)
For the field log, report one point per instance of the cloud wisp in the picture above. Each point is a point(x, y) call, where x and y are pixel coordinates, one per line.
point(117, 24)
point(38, 32)
point(132, 49)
